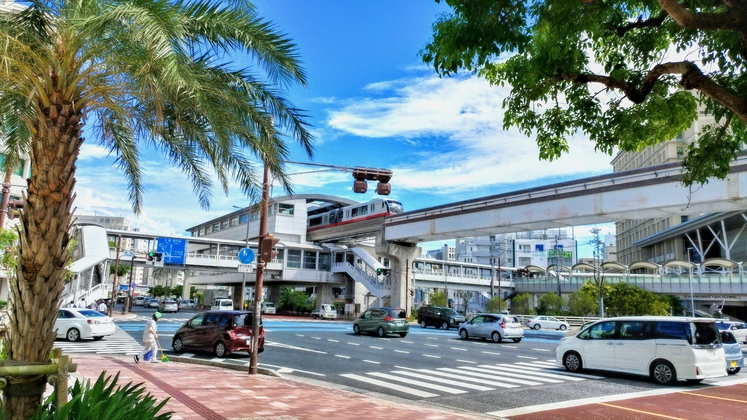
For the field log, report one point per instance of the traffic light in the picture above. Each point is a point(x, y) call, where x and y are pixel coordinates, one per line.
point(151, 256)
point(158, 256)
point(412, 292)
point(267, 253)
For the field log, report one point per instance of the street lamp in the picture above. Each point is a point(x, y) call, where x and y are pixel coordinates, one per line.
point(690, 271)
point(243, 280)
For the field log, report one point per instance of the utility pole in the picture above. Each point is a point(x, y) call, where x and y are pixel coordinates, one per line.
point(243, 279)
point(258, 283)
point(557, 270)
point(495, 248)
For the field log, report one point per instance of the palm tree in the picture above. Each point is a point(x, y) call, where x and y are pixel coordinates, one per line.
point(139, 73)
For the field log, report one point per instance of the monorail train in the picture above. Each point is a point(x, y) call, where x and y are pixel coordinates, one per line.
point(357, 212)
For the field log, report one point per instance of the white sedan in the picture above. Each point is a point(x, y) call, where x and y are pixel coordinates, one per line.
point(543, 321)
point(74, 324)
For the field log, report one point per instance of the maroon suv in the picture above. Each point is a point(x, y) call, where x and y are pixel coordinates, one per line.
point(221, 332)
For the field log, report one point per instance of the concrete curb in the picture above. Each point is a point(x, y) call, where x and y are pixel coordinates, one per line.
point(261, 371)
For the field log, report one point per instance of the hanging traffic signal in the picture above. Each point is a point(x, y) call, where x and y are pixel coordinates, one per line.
point(266, 251)
point(412, 292)
point(362, 175)
point(151, 255)
point(157, 256)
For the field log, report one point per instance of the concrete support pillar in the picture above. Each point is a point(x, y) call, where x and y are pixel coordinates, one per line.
point(185, 289)
point(238, 297)
point(323, 294)
point(399, 256)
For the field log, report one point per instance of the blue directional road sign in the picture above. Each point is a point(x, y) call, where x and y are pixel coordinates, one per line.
point(246, 256)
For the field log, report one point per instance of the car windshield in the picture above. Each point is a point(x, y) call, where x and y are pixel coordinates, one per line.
point(449, 311)
point(397, 313)
point(269, 305)
point(244, 320)
point(88, 313)
point(705, 333)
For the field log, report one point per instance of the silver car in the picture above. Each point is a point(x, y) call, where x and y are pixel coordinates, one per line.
point(493, 326)
point(544, 321)
point(168, 305)
point(734, 356)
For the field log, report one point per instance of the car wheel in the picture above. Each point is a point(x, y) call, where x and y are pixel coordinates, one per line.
point(220, 349)
point(380, 332)
point(516, 340)
point(563, 327)
point(496, 337)
point(403, 335)
point(72, 334)
point(733, 371)
point(445, 325)
point(464, 334)
point(572, 362)
point(536, 326)
point(423, 324)
point(663, 373)
point(356, 329)
point(177, 344)
point(98, 337)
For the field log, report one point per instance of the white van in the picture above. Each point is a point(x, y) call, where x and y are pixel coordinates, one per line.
point(662, 347)
point(267, 308)
point(222, 305)
point(325, 311)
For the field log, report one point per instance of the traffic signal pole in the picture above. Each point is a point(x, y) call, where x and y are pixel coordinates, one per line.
point(260, 271)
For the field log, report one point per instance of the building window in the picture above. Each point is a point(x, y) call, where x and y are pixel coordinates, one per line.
point(524, 261)
point(208, 230)
point(309, 260)
point(234, 221)
point(224, 224)
point(285, 209)
point(255, 216)
point(244, 218)
point(216, 227)
point(539, 247)
point(202, 232)
point(294, 258)
point(324, 262)
point(18, 170)
point(525, 248)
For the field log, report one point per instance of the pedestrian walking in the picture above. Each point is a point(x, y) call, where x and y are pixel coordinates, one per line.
point(150, 338)
point(82, 303)
point(102, 307)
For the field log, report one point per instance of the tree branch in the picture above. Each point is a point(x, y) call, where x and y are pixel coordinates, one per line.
point(733, 19)
point(648, 23)
point(691, 78)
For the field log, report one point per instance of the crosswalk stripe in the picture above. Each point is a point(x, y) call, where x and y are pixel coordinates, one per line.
point(391, 386)
point(478, 374)
point(417, 383)
point(443, 381)
point(118, 343)
point(536, 375)
point(464, 378)
point(559, 369)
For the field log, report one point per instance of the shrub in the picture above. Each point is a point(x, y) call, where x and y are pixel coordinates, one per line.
point(105, 400)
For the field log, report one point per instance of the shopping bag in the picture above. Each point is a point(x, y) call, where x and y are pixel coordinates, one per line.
point(148, 355)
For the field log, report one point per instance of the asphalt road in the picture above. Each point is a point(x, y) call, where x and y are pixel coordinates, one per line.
point(429, 366)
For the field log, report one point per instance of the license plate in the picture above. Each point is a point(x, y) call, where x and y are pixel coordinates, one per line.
point(733, 363)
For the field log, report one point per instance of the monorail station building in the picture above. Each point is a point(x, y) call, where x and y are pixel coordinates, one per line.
point(332, 260)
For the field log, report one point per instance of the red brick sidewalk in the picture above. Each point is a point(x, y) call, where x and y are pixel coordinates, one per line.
point(205, 392)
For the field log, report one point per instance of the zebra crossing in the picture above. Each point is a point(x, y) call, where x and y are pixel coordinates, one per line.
point(118, 343)
point(430, 383)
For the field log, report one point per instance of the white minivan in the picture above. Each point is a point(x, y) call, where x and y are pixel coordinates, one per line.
point(222, 305)
point(662, 347)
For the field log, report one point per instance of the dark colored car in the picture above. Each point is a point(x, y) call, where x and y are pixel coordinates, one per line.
point(220, 332)
point(382, 321)
point(439, 317)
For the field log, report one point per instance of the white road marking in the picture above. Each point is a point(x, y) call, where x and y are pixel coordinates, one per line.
point(448, 390)
point(463, 377)
point(353, 344)
point(388, 385)
point(288, 346)
point(443, 381)
point(316, 338)
point(401, 351)
point(518, 373)
point(374, 347)
point(477, 372)
point(371, 361)
point(334, 341)
point(526, 357)
point(465, 361)
point(408, 342)
point(542, 350)
point(430, 355)
point(458, 349)
point(342, 357)
point(490, 352)
point(432, 345)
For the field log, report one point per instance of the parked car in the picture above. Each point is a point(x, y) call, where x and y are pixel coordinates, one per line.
point(73, 324)
point(325, 311)
point(140, 300)
point(439, 317)
point(151, 303)
point(187, 304)
point(220, 332)
point(739, 329)
point(664, 348)
point(382, 321)
point(493, 326)
point(268, 308)
point(543, 321)
point(733, 352)
point(168, 305)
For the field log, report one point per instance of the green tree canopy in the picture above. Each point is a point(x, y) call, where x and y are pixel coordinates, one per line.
point(520, 304)
point(616, 70)
point(437, 298)
point(550, 304)
point(200, 82)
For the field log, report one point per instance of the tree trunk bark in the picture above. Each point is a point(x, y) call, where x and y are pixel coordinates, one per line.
point(44, 237)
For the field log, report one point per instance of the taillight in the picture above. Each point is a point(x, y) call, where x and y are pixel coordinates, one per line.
point(89, 321)
point(388, 319)
point(503, 324)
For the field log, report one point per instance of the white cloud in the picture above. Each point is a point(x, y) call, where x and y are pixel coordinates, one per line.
point(466, 114)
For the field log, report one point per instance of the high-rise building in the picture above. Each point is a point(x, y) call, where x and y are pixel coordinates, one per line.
point(540, 248)
point(630, 231)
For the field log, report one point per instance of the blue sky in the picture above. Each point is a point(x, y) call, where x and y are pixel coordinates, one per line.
point(374, 103)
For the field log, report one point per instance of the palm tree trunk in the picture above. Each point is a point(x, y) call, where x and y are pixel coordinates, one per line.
point(45, 233)
point(6, 195)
